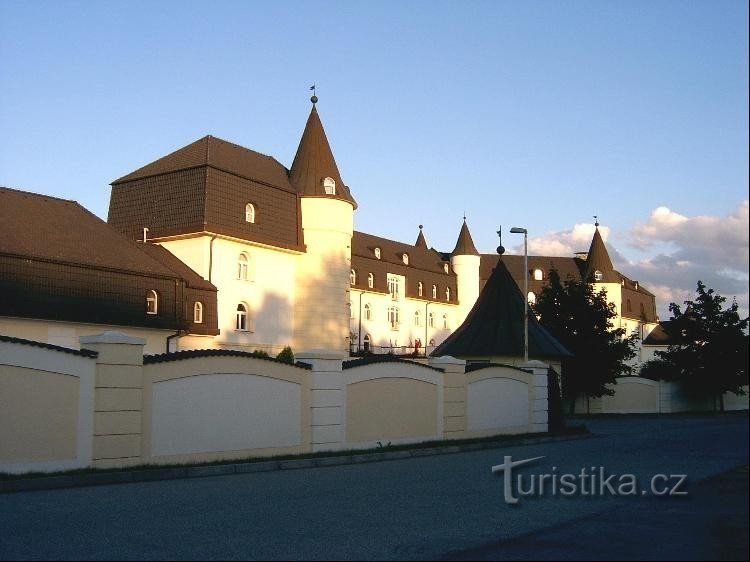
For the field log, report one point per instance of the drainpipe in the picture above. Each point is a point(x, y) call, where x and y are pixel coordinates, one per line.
point(211, 257)
point(359, 333)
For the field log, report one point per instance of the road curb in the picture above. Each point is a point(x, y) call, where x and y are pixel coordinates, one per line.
point(175, 473)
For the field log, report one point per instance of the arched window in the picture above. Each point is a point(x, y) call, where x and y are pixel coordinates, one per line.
point(241, 318)
point(250, 213)
point(598, 275)
point(445, 321)
point(329, 185)
point(434, 291)
point(420, 288)
point(370, 280)
point(431, 320)
point(368, 312)
point(538, 274)
point(152, 302)
point(352, 277)
point(393, 320)
point(531, 297)
point(198, 313)
point(366, 343)
point(242, 263)
point(377, 253)
point(417, 318)
point(448, 293)
point(405, 259)
point(446, 268)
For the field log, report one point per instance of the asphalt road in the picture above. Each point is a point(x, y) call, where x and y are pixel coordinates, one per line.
point(439, 507)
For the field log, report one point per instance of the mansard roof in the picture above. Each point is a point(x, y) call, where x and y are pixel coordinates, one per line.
point(220, 154)
point(425, 265)
point(464, 244)
point(314, 162)
point(60, 262)
point(495, 325)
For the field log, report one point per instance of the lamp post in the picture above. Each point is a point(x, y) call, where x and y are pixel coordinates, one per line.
point(518, 230)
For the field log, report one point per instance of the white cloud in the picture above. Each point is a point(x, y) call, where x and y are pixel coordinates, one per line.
point(565, 242)
point(683, 250)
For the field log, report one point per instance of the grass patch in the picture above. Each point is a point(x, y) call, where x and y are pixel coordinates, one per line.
point(496, 439)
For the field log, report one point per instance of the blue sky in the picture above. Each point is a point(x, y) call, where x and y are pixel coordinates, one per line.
point(537, 114)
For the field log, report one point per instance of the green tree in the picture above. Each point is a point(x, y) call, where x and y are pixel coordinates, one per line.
point(708, 351)
point(286, 355)
point(581, 319)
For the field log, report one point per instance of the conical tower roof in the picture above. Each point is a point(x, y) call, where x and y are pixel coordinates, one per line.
point(494, 327)
point(421, 242)
point(598, 260)
point(464, 244)
point(314, 162)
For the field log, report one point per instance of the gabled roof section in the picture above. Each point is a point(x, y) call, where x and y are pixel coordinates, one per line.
point(314, 162)
point(59, 230)
point(220, 154)
point(391, 252)
point(421, 242)
point(494, 327)
point(598, 260)
point(464, 244)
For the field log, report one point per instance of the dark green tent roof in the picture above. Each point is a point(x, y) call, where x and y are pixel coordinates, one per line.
point(495, 325)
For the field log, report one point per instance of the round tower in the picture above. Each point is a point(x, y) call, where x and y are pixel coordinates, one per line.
point(465, 261)
point(321, 302)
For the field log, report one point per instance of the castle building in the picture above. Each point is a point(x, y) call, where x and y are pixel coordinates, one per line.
point(277, 249)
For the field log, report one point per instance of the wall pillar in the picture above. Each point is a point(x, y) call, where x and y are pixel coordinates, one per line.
point(326, 399)
point(118, 398)
point(454, 395)
point(539, 395)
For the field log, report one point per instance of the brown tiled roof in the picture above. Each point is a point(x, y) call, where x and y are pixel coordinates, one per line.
point(59, 230)
point(421, 242)
point(494, 327)
point(659, 335)
point(177, 266)
point(209, 195)
point(464, 244)
point(598, 260)
point(219, 154)
point(424, 265)
point(60, 262)
point(314, 161)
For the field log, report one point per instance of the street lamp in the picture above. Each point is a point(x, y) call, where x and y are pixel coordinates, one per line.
point(518, 230)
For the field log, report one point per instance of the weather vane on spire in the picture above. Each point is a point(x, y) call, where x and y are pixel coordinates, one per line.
point(314, 98)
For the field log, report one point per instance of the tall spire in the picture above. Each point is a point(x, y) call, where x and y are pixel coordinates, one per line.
point(314, 163)
point(421, 242)
point(464, 244)
point(598, 260)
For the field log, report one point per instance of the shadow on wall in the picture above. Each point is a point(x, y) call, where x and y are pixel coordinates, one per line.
point(321, 308)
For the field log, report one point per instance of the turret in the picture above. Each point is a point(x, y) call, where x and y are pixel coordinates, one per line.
point(465, 262)
point(321, 318)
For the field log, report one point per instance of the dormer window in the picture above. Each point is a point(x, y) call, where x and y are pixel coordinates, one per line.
point(446, 268)
point(377, 253)
point(598, 275)
point(152, 302)
point(352, 277)
point(405, 259)
point(370, 280)
point(538, 274)
point(420, 288)
point(448, 293)
point(198, 313)
point(329, 186)
point(250, 213)
point(434, 291)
